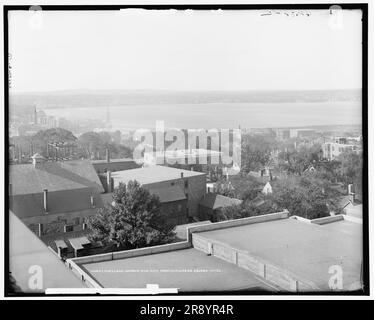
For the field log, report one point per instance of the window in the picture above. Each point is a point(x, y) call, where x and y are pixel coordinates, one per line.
point(68, 228)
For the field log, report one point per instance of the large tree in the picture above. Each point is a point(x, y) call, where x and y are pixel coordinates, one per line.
point(55, 135)
point(39, 141)
point(133, 220)
point(305, 196)
point(351, 166)
point(256, 151)
point(94, 145)
point(295, 161)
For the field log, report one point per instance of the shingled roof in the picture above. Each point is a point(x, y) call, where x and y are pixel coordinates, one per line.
point(78, 200)
point(54, 176)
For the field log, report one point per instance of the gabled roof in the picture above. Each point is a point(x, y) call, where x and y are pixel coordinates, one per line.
point(216, 201)
point(54, 176)
point(169, 194)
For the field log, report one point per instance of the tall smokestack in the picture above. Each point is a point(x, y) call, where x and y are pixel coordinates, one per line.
point(109, 180)
point(107, 155)
point(45, 199)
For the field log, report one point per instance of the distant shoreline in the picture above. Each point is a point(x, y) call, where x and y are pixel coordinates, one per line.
point(80, 99)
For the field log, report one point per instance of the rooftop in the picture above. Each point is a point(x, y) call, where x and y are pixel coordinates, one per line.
point(188, 270)
point(152, 174)
point(54, 176)
point(216, 201)
point(27, 250)
point(307, 250)
point(78, 200)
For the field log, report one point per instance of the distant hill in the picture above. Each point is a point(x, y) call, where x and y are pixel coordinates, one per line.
point(88, 98)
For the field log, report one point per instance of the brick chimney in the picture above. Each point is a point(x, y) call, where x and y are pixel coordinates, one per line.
point(45, 200)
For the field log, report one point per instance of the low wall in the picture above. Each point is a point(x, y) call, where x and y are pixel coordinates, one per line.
point(221, 251)
point(352, 219)
point(84, 276)
point(326, 220)
point(132, 253)
point(276, 275)
point(329, 219)
point(235, 223)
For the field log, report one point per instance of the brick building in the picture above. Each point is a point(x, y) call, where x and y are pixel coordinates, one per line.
point(52, 196)
point(180, 191)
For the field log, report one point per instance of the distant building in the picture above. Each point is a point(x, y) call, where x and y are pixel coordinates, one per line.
point(186, 158)
point(265, 174)
point(179, 190)
point(283, 134)
point(302, 133)
point(332, 150)
point(267, 189)
point(212, 204)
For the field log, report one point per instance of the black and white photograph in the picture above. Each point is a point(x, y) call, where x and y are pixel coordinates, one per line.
point(186, 150)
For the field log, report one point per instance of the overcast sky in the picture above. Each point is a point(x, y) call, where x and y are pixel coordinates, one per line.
point(179, 50)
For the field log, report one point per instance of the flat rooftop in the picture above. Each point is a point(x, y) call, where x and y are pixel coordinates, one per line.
point(305, 249)
point(152, 174)
point(189, 270)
